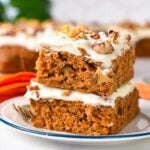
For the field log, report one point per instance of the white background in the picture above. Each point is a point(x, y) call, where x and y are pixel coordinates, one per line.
point(103, 11)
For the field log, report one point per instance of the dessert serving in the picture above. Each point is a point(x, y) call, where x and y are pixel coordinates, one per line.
point(83, 83)
point(140, 34)
point(87, 63)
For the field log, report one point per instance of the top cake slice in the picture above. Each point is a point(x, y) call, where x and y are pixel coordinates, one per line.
point(82, 60)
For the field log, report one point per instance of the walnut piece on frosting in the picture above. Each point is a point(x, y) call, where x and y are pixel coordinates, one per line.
point(127, 37)
point(113, 35)
point(65, 29)
point(103, 47)
point(95, 36)
point(66, 93)
point(78, 32)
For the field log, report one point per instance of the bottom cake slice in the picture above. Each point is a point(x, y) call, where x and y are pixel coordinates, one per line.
point(62, 110)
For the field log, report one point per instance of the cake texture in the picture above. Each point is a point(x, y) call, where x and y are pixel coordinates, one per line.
point(83, 83)
point(97, 64)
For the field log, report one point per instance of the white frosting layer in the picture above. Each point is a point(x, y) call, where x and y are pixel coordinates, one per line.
point(139, 34)
point(19, 40)
point(61, 42)
point(136, 34)
point(50, 93)
point(23, 39)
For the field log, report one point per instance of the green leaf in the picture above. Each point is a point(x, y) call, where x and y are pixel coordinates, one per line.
point(1, 12)
point(38, 9)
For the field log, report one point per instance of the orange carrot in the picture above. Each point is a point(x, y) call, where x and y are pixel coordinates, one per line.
point(144, 90)
point(7, 76)
point(18, 77)
point(14, 80)
point(13, 85)
point(14, 91)
point(6, 88)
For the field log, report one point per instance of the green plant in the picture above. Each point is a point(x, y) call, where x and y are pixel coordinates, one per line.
point(1, 12)
point(38, 9)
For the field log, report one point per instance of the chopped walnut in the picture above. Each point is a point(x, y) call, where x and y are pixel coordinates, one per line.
point(127, 37)
point(66, 93)
point(37, 94)
point(81, 35)
point(75, 32)
point(95, 36)
point(113, 35)
point(101, 79)
point(31, 88)
point(103, 48)
point(65, 29)
point(67, 69)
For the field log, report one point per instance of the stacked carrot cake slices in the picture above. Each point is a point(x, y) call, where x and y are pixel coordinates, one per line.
point(83, 83)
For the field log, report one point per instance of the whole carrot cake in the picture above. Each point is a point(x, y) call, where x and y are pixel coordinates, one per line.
point(82, 113)
point(83, 83)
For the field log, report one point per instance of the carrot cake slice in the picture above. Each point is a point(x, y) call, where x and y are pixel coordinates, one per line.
point(86, 61)
point(82, 113)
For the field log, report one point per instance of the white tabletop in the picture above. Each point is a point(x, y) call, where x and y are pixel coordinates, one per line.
point(11, 140)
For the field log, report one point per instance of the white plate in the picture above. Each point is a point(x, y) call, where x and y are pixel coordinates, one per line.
point(137, 129)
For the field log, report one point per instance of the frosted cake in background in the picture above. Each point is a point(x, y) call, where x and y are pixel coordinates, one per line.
point(18, 42)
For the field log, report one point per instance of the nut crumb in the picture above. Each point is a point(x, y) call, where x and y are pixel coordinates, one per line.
point(127, 37)
point(31, 88)
point(113, 35)
point(95, 36)
point(78, 32)
point(66, 93)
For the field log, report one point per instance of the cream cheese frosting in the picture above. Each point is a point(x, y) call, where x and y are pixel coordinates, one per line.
point(25, 40)
point(50, 93)
point(18, 40)
point(136, 34)
point(139, 34)
point(61, 42)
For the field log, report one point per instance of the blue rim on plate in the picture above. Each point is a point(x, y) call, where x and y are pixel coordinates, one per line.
point(130, 135)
